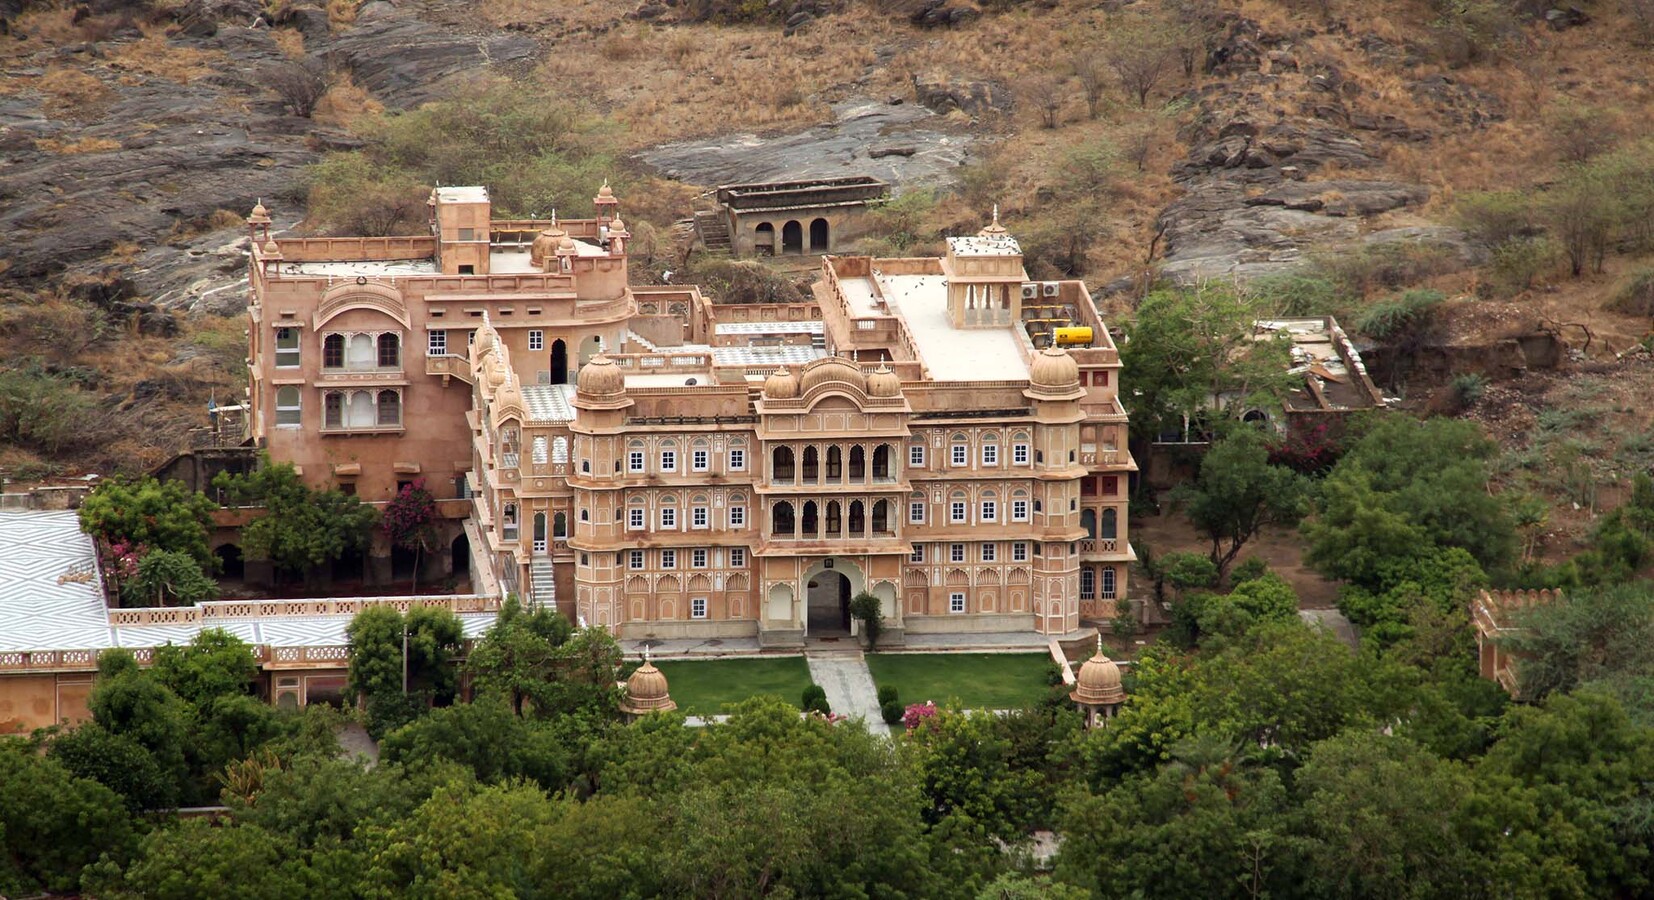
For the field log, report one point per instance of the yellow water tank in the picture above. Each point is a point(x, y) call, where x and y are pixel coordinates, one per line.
point(1073, 335)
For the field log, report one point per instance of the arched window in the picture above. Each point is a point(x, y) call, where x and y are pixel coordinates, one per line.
point(858, 463)
point(333, 351)
point(538, 450)
point(810, 469)
point(818, 236)
point(835, 463)
point(858, 517)
point(1108, 582)
point(390, 350)
point(361, 411)
point(781, 518)
point(781, 464)
point(360, 353)
point(1111, 523)
point(559, 449)
point(390, 408)
point(881, 517)
point(287, 405)
point(792, 238)
point(881, 461)
point(809, 523)
point(508, 521)
point(1088, 584)
point(333, 410)
point(1088, 521)
point(560, 525)
point(835, 520)
point(764, 239)
point(539, 532)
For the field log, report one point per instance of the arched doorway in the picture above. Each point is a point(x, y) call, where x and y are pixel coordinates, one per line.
point(818, 236)
point(792, 238)
point(829, 609)
point(231, 565)
point(460, 551)
point(559, 362)
point(763, 242)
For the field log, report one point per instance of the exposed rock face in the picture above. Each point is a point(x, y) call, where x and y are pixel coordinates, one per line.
point(943, 94)
point(1255, 198)
point(143, 179)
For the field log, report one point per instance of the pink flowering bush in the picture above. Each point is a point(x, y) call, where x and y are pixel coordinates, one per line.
point(917, 714)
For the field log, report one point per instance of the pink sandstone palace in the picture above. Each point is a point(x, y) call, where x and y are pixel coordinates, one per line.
point(667, 467)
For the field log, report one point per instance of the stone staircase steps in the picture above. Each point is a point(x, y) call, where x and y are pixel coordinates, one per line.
point(542, 583)
point(714, 231)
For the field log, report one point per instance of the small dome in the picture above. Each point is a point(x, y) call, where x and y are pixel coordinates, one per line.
point(993, 229)
point(781, 385)
point(270, 249)
point(618, 227)
point(1098, 683)
point(605, 193)
point(484, 342)
point(1054, 368)
point(509, 395)
point(566, 247)
point(884, 383)
point(833, 368)
point(646, 691)
point(601, 376)
point(545, 244)
point(260, 215)
point(496, 374)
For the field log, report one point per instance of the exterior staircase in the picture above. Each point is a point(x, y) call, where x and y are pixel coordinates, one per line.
point(713, 229)
point(542, 583)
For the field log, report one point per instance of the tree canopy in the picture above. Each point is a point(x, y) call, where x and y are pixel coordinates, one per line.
point(300, 527)
point(156, 515)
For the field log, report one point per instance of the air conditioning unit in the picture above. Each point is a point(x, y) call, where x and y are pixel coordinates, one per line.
point(1030, 291)
point(1050, 288)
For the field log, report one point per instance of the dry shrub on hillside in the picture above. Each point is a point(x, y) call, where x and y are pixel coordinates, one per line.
point(69, 148)
point(70, 93)
point(289, 41)
point(345, 102)
point(155, 55)
point(299, 83)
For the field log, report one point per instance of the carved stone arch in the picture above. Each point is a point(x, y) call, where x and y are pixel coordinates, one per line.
point(737, 582)
point(958, 578)
point(987, 575)
point(915, 578)
point(372, 295)
point(699, 583)
point(668, 584)
point(637, 585)
point(1019, 575)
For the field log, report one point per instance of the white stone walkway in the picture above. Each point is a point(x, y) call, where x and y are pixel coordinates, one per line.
point(849, 685)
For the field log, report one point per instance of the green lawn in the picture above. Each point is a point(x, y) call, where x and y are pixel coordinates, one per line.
point(702, 687)
point(976, 680)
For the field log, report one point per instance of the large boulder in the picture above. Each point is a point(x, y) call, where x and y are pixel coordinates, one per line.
point(944, 94)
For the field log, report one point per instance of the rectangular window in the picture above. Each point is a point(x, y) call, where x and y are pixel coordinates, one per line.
point(333, 352)
point(636, 560)
point(1019, 454)
point(436, 343)
point(956, 553)
point(669, 517)
point(536, 340)
point(1019, 552)
point(737, 516)
point(669, 460)
point(697, 558)
point(916, 455)
point(697, 517)
point(288, 411)
point(990, 552)
point(287, 348)
point(697, 608)
point(737, 460)
point(634, 461)
point(918, 554)
point(1100, 379)
point(1019, 510)
point(961, 454)
point(467, 234)
point(990, 510)
point(333, 410)
point(669, 559)
point(634, 517)
point(956, 511)
point(1111, 485)
point(738, 557)
point(990, 454)
point(698, 459)
point(390, 351)
point(916, 511)
point(956, 603)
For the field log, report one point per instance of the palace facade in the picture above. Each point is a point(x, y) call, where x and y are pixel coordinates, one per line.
point(668, 467)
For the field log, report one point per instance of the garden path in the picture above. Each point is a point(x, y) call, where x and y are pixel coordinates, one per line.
point(849, 685)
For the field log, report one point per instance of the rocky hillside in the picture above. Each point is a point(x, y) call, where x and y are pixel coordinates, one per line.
point(1186, 138)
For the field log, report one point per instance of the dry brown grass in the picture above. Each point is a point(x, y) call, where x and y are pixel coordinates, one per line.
point(155, 56)
point(72, 94)
point(289, 41)
point(84, 145)
point(345, 102)
point(341, 14)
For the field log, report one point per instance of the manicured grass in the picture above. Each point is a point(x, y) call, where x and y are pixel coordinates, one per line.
point(975, 680)
point(702, 687)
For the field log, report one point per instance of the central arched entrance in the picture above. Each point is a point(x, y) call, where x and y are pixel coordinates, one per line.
point(828, 587)
point(559, 362)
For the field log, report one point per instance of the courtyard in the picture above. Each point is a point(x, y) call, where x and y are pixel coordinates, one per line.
point(705, 687)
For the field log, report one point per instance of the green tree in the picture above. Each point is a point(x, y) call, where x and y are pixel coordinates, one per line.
point(168, 578)
point(864, 607)
point(1239, 493)
point(402, 664)
point(1191, 354)
point(486, 738)
point(129, 702)
point(52, 823)
point(198, 858)
point(301, 528)
point(518, 658)
point(213, 664)
point(159, 515)
point(1602, 637)
point(119, 763)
